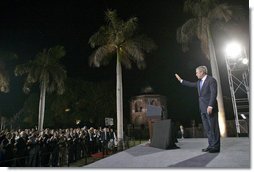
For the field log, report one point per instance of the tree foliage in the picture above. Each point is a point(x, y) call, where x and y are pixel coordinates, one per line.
point(123, 36)
point(44, 68)
point(205, 13)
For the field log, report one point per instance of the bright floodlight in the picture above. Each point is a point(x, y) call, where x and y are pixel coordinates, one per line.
point(243, 116)
point(233, 50)
point(245, 61)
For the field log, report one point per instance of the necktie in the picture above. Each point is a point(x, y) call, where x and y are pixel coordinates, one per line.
point(201, 84)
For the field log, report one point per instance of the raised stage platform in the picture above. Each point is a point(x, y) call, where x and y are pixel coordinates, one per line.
point(235, 153)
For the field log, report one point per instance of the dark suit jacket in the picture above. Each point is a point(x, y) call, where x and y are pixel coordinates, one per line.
point(207, 95)
point(105, 136)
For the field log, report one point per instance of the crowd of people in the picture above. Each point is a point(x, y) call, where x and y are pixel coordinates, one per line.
point(53, 148)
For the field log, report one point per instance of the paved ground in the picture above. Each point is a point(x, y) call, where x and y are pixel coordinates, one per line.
point(235, 153)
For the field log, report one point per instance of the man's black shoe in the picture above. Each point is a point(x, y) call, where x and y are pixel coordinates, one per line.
point(214, 150)
point(175, 147)
point(206, 149)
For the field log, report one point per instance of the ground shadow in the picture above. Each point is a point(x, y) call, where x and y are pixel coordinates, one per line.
point(141, 150)
point(198, 161)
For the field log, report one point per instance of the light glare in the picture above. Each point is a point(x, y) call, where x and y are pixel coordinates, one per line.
point(233, 50)
point(245, 61)
point(243, 116)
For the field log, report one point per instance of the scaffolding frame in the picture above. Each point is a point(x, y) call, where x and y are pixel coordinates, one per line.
point(238, 77)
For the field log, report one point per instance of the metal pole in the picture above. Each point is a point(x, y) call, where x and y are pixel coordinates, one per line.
point(246, 74)
point(230, 80)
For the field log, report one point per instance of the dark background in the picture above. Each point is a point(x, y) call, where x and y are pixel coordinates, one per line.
point(28, 26)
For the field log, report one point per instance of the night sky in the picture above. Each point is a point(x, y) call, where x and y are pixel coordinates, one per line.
point(28, 26)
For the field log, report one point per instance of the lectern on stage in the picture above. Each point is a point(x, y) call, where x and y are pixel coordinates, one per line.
point(153, 114)
point(162, 136)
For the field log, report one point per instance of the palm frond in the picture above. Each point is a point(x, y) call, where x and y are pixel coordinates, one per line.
point(199, 8)
point(23, 68)
point(32, 78)
point(134, 49)
point(186, 32)
point(130, 27)
point(56, 52)
point(188, 5)
point(201, 29)
point(105, 61)
point(113, 19)
point(42, 58)
point(45, 76)
point(97, 57)
point(221, 12)
point(141, 65)
point(144, 43)
point(206, 6)
point(60, 87)
point(205, 46)
point(135, 52)
point(202, 35)
point(26, 87)
point(4, 82)
point(57, 75)
point(60, 81)
point(99, 38)
point(125, 59)
point(227, 13)
point(193, 7)
point(238, 13)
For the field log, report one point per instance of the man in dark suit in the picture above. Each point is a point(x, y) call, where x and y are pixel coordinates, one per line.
point(207, 91)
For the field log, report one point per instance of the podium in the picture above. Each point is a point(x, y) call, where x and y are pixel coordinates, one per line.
point(154, 114)
point(162, 136)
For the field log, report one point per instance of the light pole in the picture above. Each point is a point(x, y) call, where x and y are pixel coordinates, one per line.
point(237, 63)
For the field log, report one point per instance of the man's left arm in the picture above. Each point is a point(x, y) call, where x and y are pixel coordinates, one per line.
point(213, 89)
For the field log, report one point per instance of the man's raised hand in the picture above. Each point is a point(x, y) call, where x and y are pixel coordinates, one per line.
point(178, 77)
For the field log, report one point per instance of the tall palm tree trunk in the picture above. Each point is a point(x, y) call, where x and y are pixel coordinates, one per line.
point(119, 104)
point(42, 106)
point(216, 75)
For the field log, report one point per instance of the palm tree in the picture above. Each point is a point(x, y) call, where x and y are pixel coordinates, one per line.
point(46, 70)
point(205, 14)
point(119, 37)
